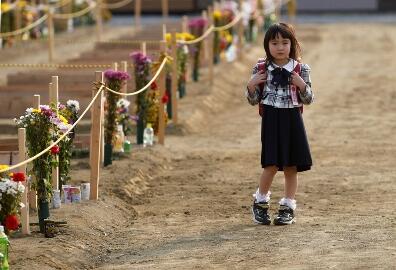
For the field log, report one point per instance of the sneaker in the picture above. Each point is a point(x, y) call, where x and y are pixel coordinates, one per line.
point(285, 216)
point(260, 213)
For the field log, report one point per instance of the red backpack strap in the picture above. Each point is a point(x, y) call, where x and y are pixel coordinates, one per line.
point(297, 69)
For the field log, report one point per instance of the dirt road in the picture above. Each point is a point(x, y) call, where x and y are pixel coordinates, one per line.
point(187, 205)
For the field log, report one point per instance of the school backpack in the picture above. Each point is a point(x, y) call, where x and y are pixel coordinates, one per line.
point(262, 66)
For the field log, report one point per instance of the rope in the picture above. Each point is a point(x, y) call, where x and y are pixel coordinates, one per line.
point(145, 87)
point(115, 5)
point(210, 29)
point(25, 29)
point(131, 41)
point(229, 25)
point(58, 140)
point(67, 16)
point(56, 65)
point(60, 3)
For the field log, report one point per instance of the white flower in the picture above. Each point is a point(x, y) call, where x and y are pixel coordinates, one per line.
point(29, 111)
point(73, 105)
point(21, 188)
point(123, 103)
point(22, 205)
point(63, 127)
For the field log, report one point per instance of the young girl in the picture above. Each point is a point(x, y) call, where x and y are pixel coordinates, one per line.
point(287, 86)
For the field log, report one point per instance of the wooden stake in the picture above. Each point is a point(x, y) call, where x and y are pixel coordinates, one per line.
point(165, 10)
point(164, 32)
point(138, 11)
point(99, 20)
point(240, 34)
point(205, 45)
point(174, 78)
point(96, 133)
point(210, 45)
point(114, 66)
point(161, 113)
point(185, 24)
point(51, 35)
point(22, 154)
point(143, 47)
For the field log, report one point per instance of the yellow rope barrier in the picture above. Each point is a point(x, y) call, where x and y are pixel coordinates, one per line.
point(59, 139)
point(116, 5)
point(67, 16)
point(229, 25)
point(132, 41)
point(210, 29)
point(25, 29)
point(56, 65)
point(146, 86)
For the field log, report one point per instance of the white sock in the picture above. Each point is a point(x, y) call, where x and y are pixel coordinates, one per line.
point(262, 197)
point(288, 202)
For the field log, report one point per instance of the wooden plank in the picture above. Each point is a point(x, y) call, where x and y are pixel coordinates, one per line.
point(96, 134)
point(24, 199)
point(174, 78)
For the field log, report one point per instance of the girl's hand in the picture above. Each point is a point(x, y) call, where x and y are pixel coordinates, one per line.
point(259, 77)
point(298, 81)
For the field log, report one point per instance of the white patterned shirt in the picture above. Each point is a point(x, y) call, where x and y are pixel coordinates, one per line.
point(280, 97)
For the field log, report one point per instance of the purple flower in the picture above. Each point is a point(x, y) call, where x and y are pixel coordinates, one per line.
point(116, 75)
point(139, 58)
point(197, 23)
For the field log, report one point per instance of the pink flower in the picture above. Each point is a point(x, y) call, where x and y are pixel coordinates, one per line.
point(116, 75)
point(55, 150)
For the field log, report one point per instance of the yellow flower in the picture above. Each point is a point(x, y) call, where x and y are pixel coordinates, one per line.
point(3, 167)
point(217, 14)
point(22, 4)
point(168, 37)
point(228, 38)
point(187, 36)
point(36, 110)
point(5, 7)
point(63, 119)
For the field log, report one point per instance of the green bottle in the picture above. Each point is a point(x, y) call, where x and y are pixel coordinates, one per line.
point(4, 243)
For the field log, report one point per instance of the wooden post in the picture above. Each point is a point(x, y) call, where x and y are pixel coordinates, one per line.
point(114, 66)
point(174, 78)
point(164, 32)
point(292, 11)
point(54, 97)
point(165, 10)
point(240, 34)
point(278, 6)
point(99, 20)
point(17, 19)
point(124, 68)
point(161, 113)
point(51, 35)
point(143, 48)
point(210, 45)
point(95, 143)
point(22, 153)
point(184, 24)
point(138, 11)
point(205, 45)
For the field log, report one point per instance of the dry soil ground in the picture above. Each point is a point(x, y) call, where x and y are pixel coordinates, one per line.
point(187, 205)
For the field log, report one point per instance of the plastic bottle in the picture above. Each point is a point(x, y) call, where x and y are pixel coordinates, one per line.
point(148, 135)
point(4, 243)
point(119, 140)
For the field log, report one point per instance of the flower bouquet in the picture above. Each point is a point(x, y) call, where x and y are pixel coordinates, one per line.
point(142, 65)
point(196, 27)
point(11, 190)
point(115, 81)
point(43, 126)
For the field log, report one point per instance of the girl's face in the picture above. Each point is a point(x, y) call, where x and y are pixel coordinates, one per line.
point(279, 48)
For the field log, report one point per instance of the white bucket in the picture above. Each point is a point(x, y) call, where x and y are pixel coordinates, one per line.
point(66, 198)
point(75, 194)
point(85, 191)
point(56, 199)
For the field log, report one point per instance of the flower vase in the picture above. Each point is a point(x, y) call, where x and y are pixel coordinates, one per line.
point(169, 94)
point(108, 153)
point(195, 74)
point(43, 213)
point(182, 89)
point(139, 131)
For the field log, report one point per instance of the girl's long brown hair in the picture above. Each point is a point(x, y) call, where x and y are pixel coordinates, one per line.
point(285, 31)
